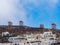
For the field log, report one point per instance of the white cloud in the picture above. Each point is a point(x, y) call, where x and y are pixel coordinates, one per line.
point(10, 9)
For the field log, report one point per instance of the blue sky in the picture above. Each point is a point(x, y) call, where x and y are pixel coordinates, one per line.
point(32, 12)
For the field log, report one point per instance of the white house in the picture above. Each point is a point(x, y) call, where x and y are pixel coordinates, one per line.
point(16, 39)
point(48, 38)
point(5, 33)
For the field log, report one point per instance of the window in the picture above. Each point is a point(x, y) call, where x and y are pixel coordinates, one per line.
point(51, 38)
point(15, 44)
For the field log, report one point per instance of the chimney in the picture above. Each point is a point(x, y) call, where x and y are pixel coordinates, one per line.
point(42, 26)
point(53, 26)
point(21, 23)
point(9, 23)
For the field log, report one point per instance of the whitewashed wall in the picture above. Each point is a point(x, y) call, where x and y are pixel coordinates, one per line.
point(4, 43)
point(20, 43)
